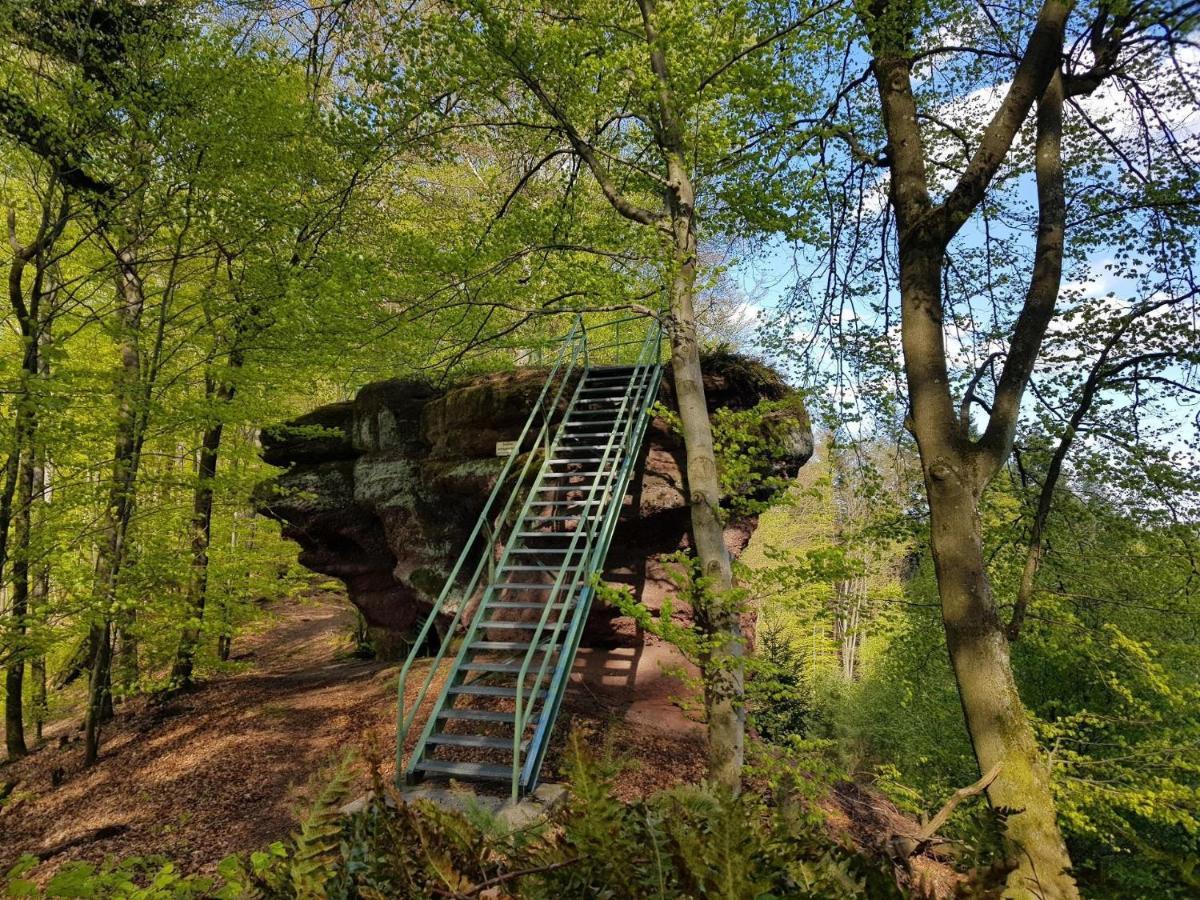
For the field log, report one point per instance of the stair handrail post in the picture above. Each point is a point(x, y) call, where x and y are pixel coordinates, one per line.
point(569, 342)
point(587, 360)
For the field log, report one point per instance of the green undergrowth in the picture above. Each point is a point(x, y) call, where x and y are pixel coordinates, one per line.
point(685, 842)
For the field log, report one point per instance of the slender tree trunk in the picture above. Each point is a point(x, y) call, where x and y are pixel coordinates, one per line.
point(202, 507)
point(22, 463)
point(720, 619)
point(849, 597)
point(40, 596)
point(125, 650)
point(723, 675)
point(14, 714)
point(99, 705)
point(40, 601)
point(119, 509)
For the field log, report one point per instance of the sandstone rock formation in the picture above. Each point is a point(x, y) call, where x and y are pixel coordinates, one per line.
point(382, 491)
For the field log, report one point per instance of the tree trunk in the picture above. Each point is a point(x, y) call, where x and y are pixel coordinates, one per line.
point(125, 650)
point(40, 596)
point(99, 707)
point(723, 675)
point(40, 601)
point(119, 509)
point(956, 468)
point(21, 463)
point(999, 729)
point(14, 698)
point(202, 507)
point(722, 666)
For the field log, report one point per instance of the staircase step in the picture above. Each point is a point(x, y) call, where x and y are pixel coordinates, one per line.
point(566, 503)
point(465, 769)
point(551, 569)
point(481, 715)
point(509, 625)
point(510, 645)
point(509, 604)
point(526, 585)
point(488, 690)
point(575, 518)
point(508, 568)
point(563, 452)
point(571, 571)
point(485, 666)
point(474, 740)
point(543, 550)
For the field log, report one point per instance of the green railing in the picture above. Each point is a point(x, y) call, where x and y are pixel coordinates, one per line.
point(634, 409)
point(564, 368)
point(579, 349)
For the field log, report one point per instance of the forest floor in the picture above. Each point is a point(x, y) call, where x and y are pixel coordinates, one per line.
point(229, 767)
point(222, 769)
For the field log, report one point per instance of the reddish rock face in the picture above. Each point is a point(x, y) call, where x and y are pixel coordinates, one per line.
point(382, 491)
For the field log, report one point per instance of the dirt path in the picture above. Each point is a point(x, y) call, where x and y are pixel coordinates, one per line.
point(227, 768)
point(220, 770)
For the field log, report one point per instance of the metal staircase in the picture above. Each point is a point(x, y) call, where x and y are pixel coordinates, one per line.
point(518, 617)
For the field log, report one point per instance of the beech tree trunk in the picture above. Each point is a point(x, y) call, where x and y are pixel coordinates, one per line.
point(676, 224)
point(40, 597)
point(20, 475)
point(955, 466)
point(202, 507)
point(119, 509)
point(995, 716)
point(14, 714)
point(718, 617)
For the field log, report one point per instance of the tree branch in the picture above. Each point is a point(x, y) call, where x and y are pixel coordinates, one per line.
point(1038, 64)
point(622, 204)
point(1044, 283)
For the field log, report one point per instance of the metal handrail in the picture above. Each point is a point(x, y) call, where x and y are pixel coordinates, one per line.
point(570, 342)
point(590, 553)
point(574, 343)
